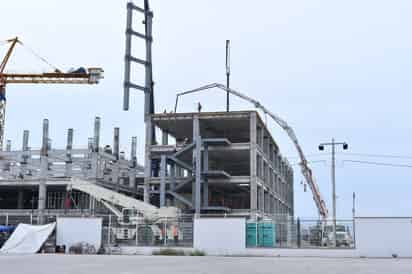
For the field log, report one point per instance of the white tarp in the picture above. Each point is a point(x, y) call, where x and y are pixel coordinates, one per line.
point(27, 239)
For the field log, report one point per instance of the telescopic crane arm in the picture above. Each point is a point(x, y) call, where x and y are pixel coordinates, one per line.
point(306, 171)
point(112, 199)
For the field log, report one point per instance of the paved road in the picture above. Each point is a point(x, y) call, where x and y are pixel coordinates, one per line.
point(77, 264)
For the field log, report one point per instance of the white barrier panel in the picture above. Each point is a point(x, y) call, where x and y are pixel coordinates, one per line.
point(222, 235)
point(27, 239)
point(383, 237)
point(72, 231)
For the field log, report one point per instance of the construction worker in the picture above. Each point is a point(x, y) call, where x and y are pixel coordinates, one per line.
point(175, 232)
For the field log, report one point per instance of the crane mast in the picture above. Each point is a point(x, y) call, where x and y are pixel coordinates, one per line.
point(306, 171)
point(80, 76)
point(3, 64)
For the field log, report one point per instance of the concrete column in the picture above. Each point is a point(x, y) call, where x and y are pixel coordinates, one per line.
point(179, 171)
point(69, 147)
point(292, 198)
point(262, 198)
point(253, 165)
point(116, 170)
point(196, 192)
point(20, 199)
point(262, 137)
point(116, 141)
point(26, 135)
point(44, 165)
point(163, 167)
point(25, 149)
point(205, 180)
point(133, 158)
point(173, 182)
point(165, 138)
point(8, 145)
point(148, 160)
point(95, 150)
point(96, 140)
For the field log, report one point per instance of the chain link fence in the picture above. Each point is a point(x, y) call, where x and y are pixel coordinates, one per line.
point(276, 231)
point(119, 231)
point(163, 232)
point(287, 232)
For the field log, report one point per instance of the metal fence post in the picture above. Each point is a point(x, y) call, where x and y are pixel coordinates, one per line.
point(31, 218)
point(7, 219)
point(298, 232)
point(137, 234)
point(165, 233)
point(109, 230)
point(256, 234)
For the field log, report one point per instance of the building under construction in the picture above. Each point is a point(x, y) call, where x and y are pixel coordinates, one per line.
point(34, 179)
point(217, 162)
point(203, 162)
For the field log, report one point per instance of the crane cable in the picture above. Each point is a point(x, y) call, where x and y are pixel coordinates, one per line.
point(25, 46)
point(38, 56)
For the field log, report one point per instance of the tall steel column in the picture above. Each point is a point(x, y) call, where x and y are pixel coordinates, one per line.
point(148, 86)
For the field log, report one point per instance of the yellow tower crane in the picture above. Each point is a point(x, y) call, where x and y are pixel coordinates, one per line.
point(79, 76)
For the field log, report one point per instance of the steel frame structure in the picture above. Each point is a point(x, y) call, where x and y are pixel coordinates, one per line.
point(149, 108)
point(47, 166)
point(306, 170)
point(200, 161)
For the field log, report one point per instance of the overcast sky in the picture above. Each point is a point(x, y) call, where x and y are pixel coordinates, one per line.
point(330, 68)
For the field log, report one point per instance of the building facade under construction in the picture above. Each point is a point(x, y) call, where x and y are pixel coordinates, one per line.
point(214, 162)
point(219, 162)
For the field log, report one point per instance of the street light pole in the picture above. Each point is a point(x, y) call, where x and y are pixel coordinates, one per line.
point(333, 192)
point(333, 175)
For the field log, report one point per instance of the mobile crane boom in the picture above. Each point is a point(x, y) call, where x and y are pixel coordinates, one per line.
point(112, 200)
